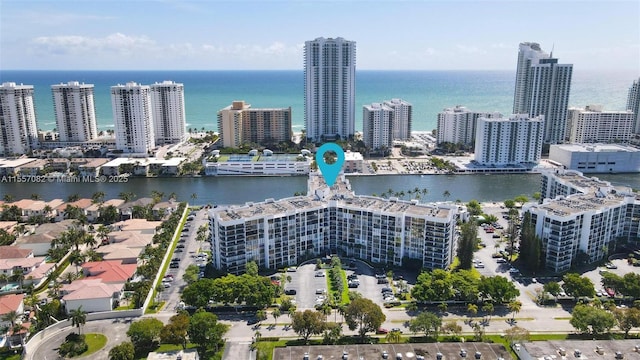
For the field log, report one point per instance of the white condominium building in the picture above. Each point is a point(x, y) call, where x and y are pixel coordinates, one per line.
point(133, 116)
point(279, 233)
point(633, 103)
point(512, 141)
point(329, 88)
point(529, 53)
point(581, 215)
point(402, 118)
point(542, 88)
point(458, 125)
point(18, 128)
point(169, 117)
point(592, 125)
point(377, 126)
point(239, 124)
point(75, 111)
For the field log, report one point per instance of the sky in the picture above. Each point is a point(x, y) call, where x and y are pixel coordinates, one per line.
point(270, 34)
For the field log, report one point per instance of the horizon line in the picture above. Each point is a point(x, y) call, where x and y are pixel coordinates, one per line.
point(397, 70)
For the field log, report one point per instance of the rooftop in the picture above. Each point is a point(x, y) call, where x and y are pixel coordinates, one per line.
point(596, 148)
point(10, 302)
point(14, 252)
point(109, 271)
point(583, 349)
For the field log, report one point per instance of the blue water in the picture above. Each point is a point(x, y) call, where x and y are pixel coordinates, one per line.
point(206, 92)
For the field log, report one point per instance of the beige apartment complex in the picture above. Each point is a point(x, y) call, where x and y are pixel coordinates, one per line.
point(239, 124)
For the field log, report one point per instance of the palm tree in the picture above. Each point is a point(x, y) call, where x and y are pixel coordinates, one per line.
point(103, 234)
point(127, 196)
point(98, 197)
point(69, 277)
point(73, 197)
point(194, 196)
point(8, 198)
point(488, 308)
point(11, 317)
point(473, 310)
point(394, 337)
point(325, 309)
point(514, 307)
point(92, 255)
point(76, 258)
point(35, 197)
point(18, 275)
point(276, 314)
point(78, 318)
point(446, 194)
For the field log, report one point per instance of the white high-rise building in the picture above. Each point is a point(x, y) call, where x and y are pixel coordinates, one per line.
point(169, 117)
point(329, 88)
point(18, 128)
point(592, 125)
point(377, 126)
point(458, 125)
point(402, 118)
point(512, 141)
point(542, 88)
point(75, 111)
point(133, 116)
point(528, 54)
point(633, 104)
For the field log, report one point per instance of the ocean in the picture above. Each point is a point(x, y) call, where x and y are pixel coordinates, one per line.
point(429, 92)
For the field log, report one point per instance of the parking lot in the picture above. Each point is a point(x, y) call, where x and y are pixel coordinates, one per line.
point(185, 254)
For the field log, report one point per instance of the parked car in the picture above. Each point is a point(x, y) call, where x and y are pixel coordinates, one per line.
point(174, 265)
point(290, 292)
point(180, 246)
point(319, 273)
point(382, 331)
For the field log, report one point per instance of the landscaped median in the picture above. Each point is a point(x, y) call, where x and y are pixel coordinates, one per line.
point(337, 283)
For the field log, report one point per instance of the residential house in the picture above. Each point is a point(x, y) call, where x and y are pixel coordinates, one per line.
point(110, 272)
point(164, 209)
point(92, 167)
point(9, 303)
point(82, 204)
point(40, 241)
point(9, 267)
point(126, 209)
point(140, 225)
point(93, 211)
point(92, 294)
point(14, 252)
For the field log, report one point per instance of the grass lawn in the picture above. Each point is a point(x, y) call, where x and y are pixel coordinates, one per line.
point(95, 343)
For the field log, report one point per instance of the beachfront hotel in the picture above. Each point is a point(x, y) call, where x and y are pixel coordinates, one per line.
point(458, 125)
point(377, 127)
point(239, 124)
point(633, 103)
point(509, 141)
point(542, 88)
point(133, 117)
point(167, 99)
point(18, 128)
point(581, 215)
point(75, 111)
point(329, 88)
point(279, 233)
point(593, 125)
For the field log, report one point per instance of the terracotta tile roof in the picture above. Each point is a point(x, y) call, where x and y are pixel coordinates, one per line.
point(136, 224)
point(110, 271)
point(26, 263)
point(86, 290)
point(13, 252)
point(10, 302)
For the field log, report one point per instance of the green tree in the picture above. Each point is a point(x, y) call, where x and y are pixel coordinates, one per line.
point(175, 332)
point(276, 314)
point(578, 286)
point(206, 332)
point(364, 315)
point(467, 244)
point(474, 208)
point(123, 351)
point(98, 197)
point(514, 307)
point(251, 268)
point(78, 318)
point(427, 323)
point(497, 289)
point(307, 323)
point(516, 334)
point(521, 199)
point(552, 288)
point(451, 327)
point(591, 320)
point(627, 319)
point(191, 274)
point(394, 337)
point(436, 285)
point(261, 315)
point(144, 334)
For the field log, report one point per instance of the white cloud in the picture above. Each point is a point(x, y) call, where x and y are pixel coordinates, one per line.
point(73, 44)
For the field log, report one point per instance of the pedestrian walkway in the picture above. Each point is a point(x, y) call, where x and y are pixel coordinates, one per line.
point(238, 351)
